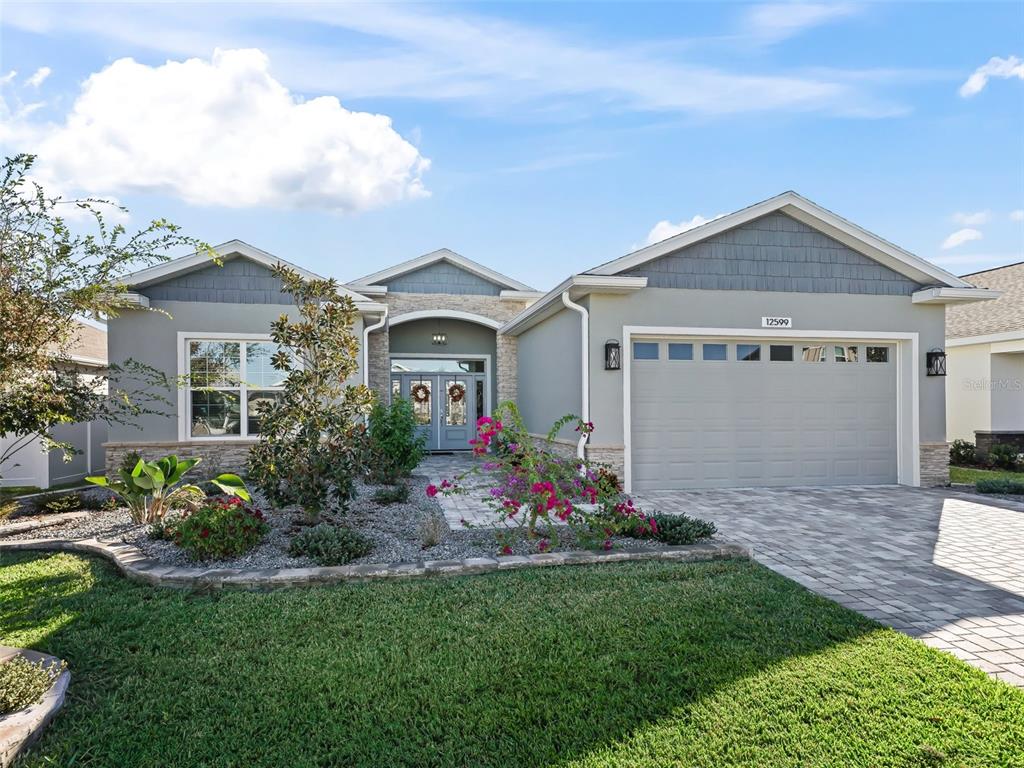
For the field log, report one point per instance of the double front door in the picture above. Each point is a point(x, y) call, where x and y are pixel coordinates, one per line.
point(446, 406)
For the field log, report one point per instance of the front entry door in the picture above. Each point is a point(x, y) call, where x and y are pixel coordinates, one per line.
point(446, 407)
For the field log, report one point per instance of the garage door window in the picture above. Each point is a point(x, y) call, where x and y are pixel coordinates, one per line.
point(878, 354)
point(846, 354)
point(645, 350)
point(748, 352)
point(814, 354)
point(680, 351)
point(780, 353)
point(715, 352)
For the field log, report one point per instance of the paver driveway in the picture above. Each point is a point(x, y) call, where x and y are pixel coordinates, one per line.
point(944, 566)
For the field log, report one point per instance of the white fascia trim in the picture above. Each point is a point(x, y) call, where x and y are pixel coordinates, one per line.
point(953, 295)
point(370, 307)
point(183, 337)
point(135, 299)
point(373, 291)
point(233, 247)
point(907, 343)
point(577, 285)
point(521, 295)
point(803, 210)
point(450, 314)
point(442, 254)
point(92, 322)
point(988, 338)
point(92, 362)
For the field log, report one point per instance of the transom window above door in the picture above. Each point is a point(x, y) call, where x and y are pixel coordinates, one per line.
point(227, 381)
point(435, 365)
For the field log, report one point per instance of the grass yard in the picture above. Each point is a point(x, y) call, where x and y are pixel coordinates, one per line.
point(643, 664)
point(973, 475)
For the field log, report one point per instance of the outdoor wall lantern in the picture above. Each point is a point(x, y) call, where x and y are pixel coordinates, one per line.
point(936, 360)
point(612, 355)
point(440, 338)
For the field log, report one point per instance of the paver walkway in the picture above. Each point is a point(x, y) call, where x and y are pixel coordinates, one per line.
point(944, 566)
point(941, 565)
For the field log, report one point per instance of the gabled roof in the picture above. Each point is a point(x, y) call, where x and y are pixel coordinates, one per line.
point(228, 250)
point(809, 213)
point(1004, 315)
point(442, 254)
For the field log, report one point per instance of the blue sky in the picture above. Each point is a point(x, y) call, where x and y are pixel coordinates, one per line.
point(539, 139)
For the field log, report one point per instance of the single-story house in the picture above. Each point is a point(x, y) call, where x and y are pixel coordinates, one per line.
point(779, 345)
point(29, 464)
point(985, 358)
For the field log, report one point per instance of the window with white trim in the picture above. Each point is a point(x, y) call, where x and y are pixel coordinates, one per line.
point(227, 380)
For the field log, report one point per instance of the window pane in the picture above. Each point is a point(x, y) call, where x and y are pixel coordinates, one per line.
point(878, 354)
point(456, 395)
point(750, 352)
point(258, 370)
point(396, 389)
point(420, 393)
point(255, 398)
point(780, 353)
point(215, 413)
point(846, 354)
point(435, 365)
point(680, 351)
point(479, 399)
point(214, 363)
point(814, 354)
point(715, 352)
point(645, 350)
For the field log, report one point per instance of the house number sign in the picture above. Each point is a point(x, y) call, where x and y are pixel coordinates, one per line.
point(776, 322)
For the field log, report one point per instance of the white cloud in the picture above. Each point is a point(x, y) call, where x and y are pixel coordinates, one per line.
point(773, 22)
point(666, 229)
point(221, 132)
point(39, 76)
point(960, 237)
point(995, 67)
point(972, 219)
point(1017, 215)
point(9, 77)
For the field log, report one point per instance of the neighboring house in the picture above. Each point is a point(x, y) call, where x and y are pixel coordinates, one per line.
point(30, 465)
point(985, 347)
point(779, 345)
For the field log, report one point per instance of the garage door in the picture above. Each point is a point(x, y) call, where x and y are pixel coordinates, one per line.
point(711, 413)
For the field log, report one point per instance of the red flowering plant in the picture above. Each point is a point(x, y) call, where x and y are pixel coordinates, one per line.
point(223, 527)
point(535, 491)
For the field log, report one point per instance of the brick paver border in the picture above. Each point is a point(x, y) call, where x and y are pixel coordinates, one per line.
point(134, 564)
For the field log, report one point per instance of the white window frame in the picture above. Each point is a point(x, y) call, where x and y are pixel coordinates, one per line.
point(185, 392)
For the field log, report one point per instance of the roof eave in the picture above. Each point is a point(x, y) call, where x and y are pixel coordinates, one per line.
point(442, 254)
point(577, 286)
point(947, 295)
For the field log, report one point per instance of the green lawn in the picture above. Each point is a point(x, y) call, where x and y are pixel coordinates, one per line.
point(973, 475)
point(644, 664)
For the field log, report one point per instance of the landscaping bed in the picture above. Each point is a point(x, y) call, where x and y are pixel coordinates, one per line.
point(639, 664)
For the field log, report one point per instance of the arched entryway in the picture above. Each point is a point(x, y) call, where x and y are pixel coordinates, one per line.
point(444, 361)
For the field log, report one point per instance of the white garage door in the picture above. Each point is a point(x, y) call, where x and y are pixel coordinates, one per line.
point(711, 413)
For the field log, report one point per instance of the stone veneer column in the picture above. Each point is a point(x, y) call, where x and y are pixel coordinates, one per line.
point(379, 364)
point(507, 368)
point(934, 464)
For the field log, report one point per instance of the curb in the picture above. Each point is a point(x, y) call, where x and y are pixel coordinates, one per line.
point(134, 565)
point(10, 529)
point(19, 730)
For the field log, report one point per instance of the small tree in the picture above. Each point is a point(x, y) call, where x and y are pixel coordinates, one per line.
point(51, 275)
point(311, 438)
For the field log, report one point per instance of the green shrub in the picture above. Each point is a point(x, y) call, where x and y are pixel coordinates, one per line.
point(997, 485)
point(23, 683)
point(392, 494)
point(330, 545)
point(672, 529)
point(396, 447)
point(222, 528)
point(962, 453)
point(7, 508)
point(1003, 456)
point(54, 503)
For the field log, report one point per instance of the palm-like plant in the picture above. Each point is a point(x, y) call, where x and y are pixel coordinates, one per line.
point(153, 488)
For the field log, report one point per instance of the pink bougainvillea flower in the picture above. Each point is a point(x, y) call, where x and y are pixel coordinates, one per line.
point(607, 544)
point(506, 550)
point(543, 545)
point(431, 490)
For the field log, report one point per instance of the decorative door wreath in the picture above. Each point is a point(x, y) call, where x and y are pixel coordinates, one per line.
point(420, 393)
point(456, 392)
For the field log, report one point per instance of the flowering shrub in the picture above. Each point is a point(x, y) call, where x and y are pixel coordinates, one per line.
point(533, 488)
point(223, 527)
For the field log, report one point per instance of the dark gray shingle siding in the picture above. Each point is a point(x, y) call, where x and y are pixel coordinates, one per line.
point(774, 253)
point(239, 281)
point(443, 277)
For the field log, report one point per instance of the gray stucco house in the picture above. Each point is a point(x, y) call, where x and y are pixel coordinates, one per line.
point(779, 345)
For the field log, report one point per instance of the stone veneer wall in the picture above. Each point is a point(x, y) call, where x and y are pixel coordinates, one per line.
point(934, 464)
point(612, 456)
point(984, 441)
point(491, 307)
point(217, 455)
